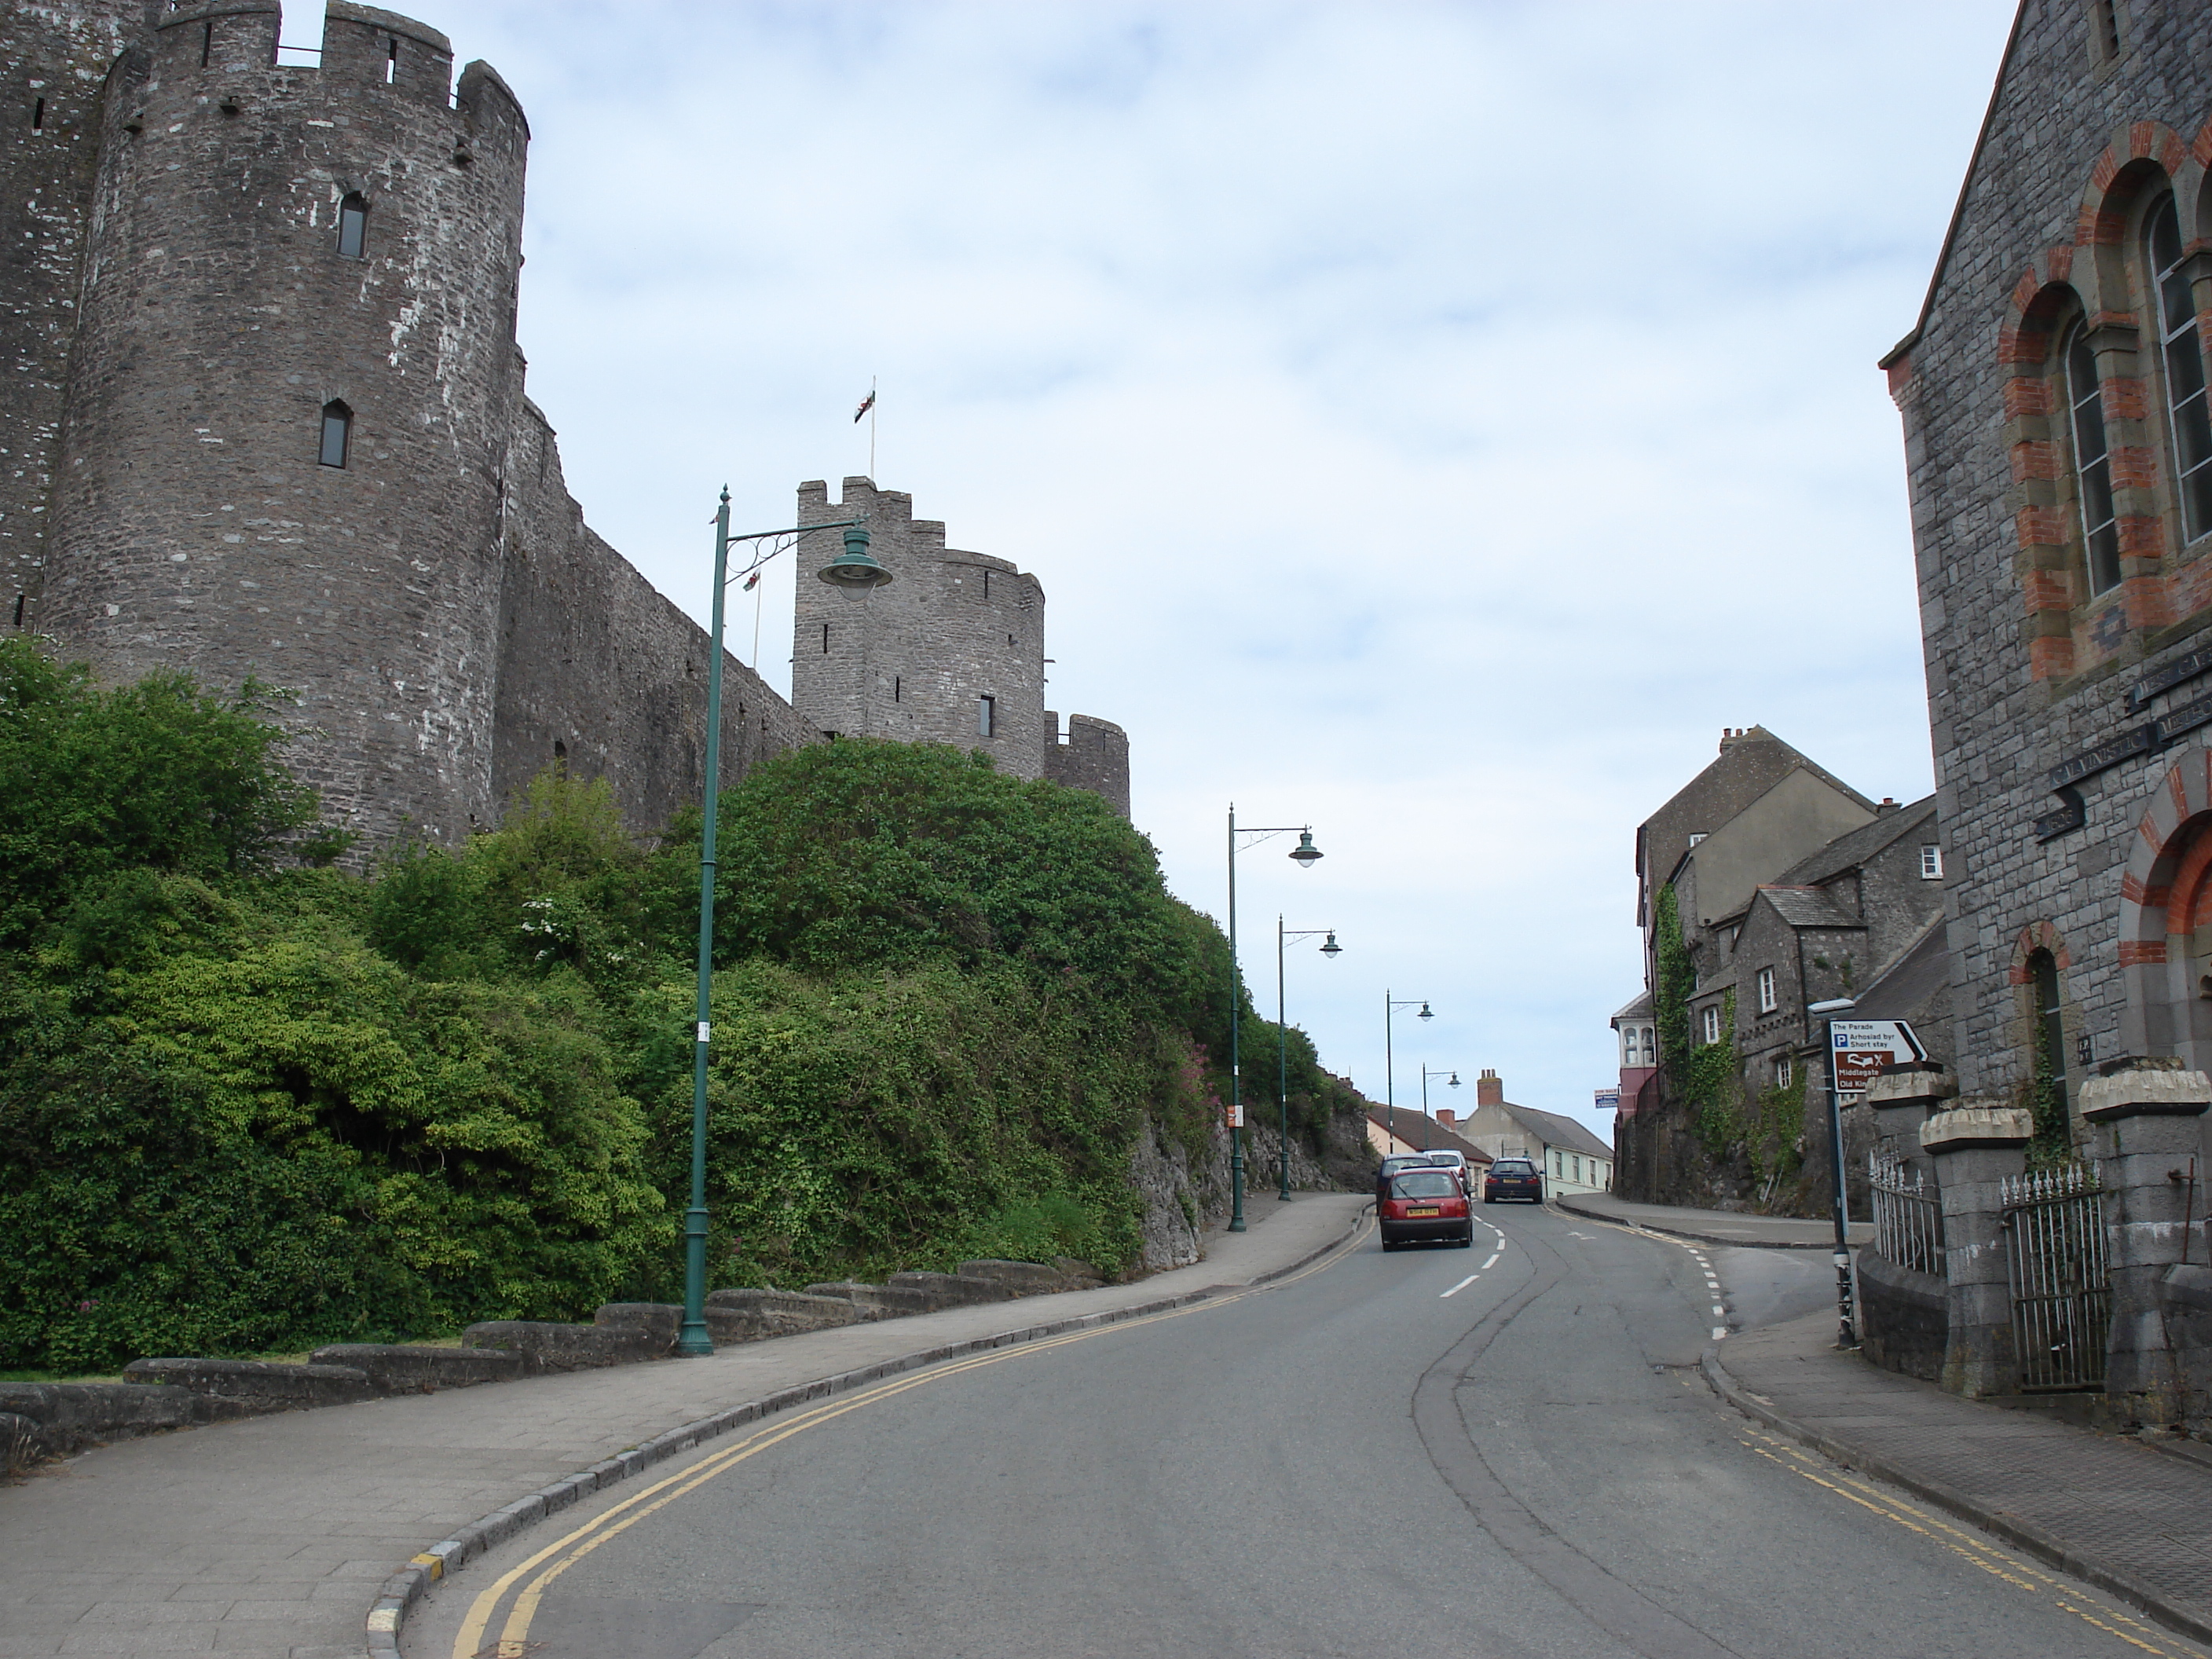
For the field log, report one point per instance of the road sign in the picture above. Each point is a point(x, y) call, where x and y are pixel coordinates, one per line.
point(1859, 1048)
point(1609, 1100)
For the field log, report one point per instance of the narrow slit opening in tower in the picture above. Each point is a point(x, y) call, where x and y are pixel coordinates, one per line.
point(391, 61)
point(825, 639)
point(39, 115)
point(337, 434)
point(206, 41)
point(352, 227)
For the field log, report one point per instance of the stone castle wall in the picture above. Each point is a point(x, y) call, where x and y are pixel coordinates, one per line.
point(2028, 670)
point(49, 151)
point(181, 316)
point(916, 658)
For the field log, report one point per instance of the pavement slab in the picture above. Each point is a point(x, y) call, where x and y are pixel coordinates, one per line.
point(148, 1547)
point(2126, 1516)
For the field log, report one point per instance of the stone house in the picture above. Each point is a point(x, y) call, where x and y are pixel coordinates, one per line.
point(2059, 453)
point(1573, 1159)
point(1859, 919)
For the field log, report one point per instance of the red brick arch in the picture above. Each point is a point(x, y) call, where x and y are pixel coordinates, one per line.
point(2166, 894)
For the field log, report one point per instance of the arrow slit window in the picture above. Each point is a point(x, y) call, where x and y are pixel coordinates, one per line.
point(353, 226)
point(337, 434)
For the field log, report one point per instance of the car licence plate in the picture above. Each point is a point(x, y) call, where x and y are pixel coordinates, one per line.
point(1415, 1215)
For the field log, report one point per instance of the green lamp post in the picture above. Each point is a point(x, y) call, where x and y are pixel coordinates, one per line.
point(1426, 1119)
point(857, 575)
point(1306, 855)
point(1390, 1006)
point(1331, 950)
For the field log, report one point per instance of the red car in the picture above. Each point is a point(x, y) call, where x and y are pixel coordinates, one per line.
point(1425, 1204)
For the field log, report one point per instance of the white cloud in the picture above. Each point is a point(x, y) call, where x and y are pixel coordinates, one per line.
point(1436, 421)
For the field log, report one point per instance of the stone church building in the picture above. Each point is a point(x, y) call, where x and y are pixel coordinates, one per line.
point(2059, 448)
point(264, 417)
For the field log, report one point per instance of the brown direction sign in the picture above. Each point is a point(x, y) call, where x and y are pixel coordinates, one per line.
point(1859, 1048)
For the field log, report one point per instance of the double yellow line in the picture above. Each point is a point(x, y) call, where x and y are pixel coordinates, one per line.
point(1969, 1546)
point(557, 1557)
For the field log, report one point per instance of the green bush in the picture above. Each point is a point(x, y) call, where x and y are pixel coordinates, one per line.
point(248, 1101)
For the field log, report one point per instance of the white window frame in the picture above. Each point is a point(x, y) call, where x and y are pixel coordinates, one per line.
point(1785, 1071)
point(1931, 861)
point(1769, 998)
point(2170, 298)
point(987, 716)
point(1709, 1022)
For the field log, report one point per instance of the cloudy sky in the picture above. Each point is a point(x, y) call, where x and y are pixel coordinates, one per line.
point(1435, 421)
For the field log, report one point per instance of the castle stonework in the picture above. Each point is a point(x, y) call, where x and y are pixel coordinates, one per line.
point(266, 420)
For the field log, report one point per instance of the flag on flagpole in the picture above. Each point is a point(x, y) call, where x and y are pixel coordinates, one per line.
point(866, 404)
point(751, 582)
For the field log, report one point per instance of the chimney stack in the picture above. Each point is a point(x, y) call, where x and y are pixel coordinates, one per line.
point(1489, 1089)
point(1446, 1116)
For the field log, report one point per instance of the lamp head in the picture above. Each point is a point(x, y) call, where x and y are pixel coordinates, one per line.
point(1455, 1079)
point(1424, 1013)
point(854, 573)
point(1330, 947)
point(1305, 852)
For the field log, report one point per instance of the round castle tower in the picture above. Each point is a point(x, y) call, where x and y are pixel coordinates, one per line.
point(950, 650)
point(292, 391)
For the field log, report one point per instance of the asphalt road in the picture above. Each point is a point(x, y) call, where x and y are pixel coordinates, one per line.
point(1502, 1451)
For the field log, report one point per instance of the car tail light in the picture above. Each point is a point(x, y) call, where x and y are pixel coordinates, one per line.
point(1454, 1206)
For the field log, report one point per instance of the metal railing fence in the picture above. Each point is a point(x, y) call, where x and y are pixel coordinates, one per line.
point(1908, 1215)
point(2061, 1301)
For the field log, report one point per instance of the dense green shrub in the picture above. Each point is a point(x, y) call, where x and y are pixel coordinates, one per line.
point(251, 1102)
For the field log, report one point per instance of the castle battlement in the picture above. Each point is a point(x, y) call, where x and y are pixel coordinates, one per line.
point(267, 417)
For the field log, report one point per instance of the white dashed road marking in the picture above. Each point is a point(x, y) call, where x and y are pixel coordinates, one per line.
point(1461, 1285)
point(1493, 1262)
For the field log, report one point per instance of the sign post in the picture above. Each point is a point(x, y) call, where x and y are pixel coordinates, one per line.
point(1857, 1050)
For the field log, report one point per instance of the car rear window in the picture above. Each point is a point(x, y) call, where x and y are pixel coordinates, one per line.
point(1425, 1183)
point(1513, 1166)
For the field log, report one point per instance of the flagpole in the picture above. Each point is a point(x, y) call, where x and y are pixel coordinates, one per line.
point(758, 597)
point(871, 427)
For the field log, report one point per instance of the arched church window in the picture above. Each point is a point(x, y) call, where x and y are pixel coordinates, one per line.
point(2092, 463)
point(338, 433)
point(2182, 356)
point(353, 226)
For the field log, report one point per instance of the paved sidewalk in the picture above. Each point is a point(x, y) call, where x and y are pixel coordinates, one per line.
point(271, 1537)
point(1771, 1232)
point(2132, 1520)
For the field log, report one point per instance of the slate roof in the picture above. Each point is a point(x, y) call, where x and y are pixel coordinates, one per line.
point(1423, 1133)
point(1809, 907)
point(1907, 983)
point(1638, 1008)
point(1854, 848)
point(1554, 1130)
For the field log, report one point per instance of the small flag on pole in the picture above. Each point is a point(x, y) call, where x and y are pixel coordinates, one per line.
point(751, 582)
point(866, 404)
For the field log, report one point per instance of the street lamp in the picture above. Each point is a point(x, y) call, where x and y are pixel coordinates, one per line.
point(1331, 950)
point(861, 572)
point(1306, 855)
point(1389, 1096)
point(1426, 1075)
